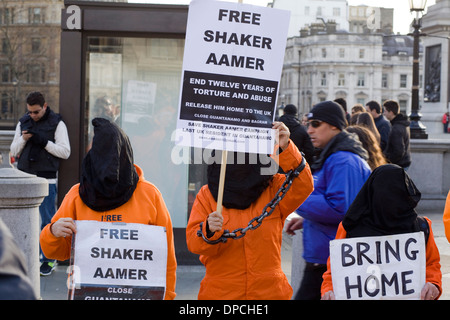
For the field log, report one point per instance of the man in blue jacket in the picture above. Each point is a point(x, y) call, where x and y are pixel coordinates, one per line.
point(339, 172)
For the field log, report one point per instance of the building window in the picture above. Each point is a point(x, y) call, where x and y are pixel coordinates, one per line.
point(361, 79)
point(361, 53)
point(36, 15)
point(6, 107)
point(6, 16)
point(403, 80)
point(36, 73)
point(319, 11)
point(5, 46)
point(384, 80)
point(35, 45)
point(6, 73)
point(337, 12)
point(341, 80)
point(323, 79)
point(361, 101)
point(361, 12)
point(341, 53)
point(403, 104)
point(306, 11)
point(324, 53)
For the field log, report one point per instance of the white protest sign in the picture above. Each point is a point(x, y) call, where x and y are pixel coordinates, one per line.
point(378, 268)
point(232, 65)
point(118, 261)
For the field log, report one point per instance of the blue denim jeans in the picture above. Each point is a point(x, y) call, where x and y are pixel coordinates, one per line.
point(47, 210)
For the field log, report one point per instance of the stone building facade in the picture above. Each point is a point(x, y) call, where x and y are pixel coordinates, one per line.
point(325, 64)
point(29, 55)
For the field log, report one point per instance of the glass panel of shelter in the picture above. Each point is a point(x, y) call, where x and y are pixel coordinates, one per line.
point(135, 82)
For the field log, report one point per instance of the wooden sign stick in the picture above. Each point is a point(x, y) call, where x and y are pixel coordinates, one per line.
point(223, 168)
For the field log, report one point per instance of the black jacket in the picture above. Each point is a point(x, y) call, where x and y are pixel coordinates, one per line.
point(397, 149)
point(299, 136)
point(384, 128)
point(34, 158)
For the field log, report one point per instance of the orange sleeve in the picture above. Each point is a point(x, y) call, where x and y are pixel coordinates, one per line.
point(446, 217)
point(53, 247)
point(327, 284)
point(203, 205)
point(433, 265)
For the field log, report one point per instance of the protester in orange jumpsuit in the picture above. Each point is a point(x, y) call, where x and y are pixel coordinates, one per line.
point(112, 188)
point(249, 267)
point(385, 206)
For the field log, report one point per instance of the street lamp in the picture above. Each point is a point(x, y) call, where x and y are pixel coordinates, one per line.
point(418, 130)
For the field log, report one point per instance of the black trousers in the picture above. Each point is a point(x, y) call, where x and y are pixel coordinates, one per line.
point(311, 282)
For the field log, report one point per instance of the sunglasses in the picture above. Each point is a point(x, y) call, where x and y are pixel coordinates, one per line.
point(314, 123)
point(33, 112)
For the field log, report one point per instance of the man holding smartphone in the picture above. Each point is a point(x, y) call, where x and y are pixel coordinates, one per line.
point(41, 140)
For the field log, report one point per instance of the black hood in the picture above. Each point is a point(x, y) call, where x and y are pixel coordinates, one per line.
point(344, 141)
point(244, 182)
point(108, 175)
point(385, 205)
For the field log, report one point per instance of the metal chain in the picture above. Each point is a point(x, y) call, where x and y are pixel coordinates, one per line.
point(240, 232)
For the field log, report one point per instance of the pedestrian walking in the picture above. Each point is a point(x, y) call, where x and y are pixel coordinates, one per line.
point(383, 125)
point(112, 188)
point(397, 150)
point(40, 142)
point(339, 172)
point(445, 121)
point(248, 267)
point(386, 206)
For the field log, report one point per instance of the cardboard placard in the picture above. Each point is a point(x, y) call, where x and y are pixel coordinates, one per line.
point(123, 261)
point(232, 66)
point(378, 268)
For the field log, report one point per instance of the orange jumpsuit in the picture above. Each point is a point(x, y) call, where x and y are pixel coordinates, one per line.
point(446, 217)
point(250, 267)
point(146, 206)
point(433, 267)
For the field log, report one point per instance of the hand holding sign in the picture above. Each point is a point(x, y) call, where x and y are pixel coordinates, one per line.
point(63, 227)
point(429, 292)
point(282, 135)
point(328, 296)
